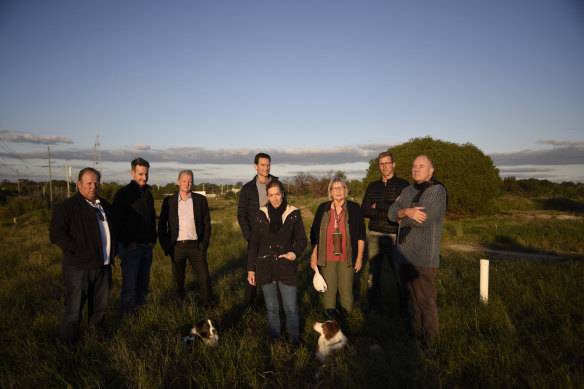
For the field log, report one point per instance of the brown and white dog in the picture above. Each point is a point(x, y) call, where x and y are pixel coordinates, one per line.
point(332, 338)
point(206, 330)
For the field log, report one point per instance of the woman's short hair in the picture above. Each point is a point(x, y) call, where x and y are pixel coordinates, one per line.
point(273, 183)
point(330, 187)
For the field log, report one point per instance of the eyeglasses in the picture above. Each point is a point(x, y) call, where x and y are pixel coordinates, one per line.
point(384, 164)
point(99, 214)
point(338, 188)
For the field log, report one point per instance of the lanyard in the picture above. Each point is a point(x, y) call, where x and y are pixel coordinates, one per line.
point(337, 217)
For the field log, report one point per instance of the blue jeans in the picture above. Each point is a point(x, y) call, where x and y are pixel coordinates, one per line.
point(83, 285)
point(273, 307)
point(136, 265)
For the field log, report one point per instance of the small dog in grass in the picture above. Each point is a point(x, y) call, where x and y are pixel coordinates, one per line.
point(206, 330)
point(332, 338)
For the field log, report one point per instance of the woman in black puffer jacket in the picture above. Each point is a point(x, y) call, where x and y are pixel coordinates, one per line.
point(278, 239)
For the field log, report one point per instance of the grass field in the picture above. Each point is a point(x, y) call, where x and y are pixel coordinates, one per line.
point(528, 335)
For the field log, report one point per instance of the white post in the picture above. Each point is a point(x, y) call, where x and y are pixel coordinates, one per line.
point(484, 287)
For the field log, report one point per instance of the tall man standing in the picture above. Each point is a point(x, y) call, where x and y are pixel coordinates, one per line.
point(420, 212)
point(136, 230)
point(253, 195)
point(184, 229)
point(379, 196)
point(81, 227)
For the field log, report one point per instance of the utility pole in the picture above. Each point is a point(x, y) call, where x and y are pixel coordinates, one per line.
point(50, 178)
point(68, 175)
point(97, 154)
point(18, 182)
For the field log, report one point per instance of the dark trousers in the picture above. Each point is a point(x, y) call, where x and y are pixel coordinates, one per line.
point(198, 259)
point(381, 247)
point(83, 285)
point(136, 265)
point(420, 298)
point(251, 291)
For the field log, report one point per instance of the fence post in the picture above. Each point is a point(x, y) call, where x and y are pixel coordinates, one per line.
point(484, 284)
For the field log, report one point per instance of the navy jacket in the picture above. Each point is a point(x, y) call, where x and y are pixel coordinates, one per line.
point(75, 229)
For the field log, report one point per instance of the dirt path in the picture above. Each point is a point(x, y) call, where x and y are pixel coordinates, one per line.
point(559, 257)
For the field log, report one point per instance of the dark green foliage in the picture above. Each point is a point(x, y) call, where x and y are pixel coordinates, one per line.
point(17, 206)
point(469, 175)
point(535, 187)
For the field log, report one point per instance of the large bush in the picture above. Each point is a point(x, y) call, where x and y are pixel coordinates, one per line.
point(469, 175)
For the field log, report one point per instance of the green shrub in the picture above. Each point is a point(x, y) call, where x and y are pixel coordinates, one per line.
point(17, 206)
point(469, 175)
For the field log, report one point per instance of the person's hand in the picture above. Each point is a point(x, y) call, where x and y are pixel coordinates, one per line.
point(373, 205)
point(313, 258)
point(289, 256)
point(358, 264)
point(251, 277)
point(416, 214)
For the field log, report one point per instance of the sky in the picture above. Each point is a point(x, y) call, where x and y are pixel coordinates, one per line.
point(319, 85)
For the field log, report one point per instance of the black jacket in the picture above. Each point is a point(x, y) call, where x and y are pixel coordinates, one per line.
point(265, 247)
point(168, 221)
point(382, 195)
point(356, 225)
point(134, 215)
point(75, 229)
point(248, 206)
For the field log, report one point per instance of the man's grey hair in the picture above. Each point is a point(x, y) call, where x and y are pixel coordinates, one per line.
point(428, 158)
point(186, 171)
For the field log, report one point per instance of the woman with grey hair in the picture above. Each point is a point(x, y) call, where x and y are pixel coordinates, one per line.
point(338, 240)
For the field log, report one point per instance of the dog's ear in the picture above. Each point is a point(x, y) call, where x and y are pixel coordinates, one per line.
point(216, 322)
point(330, 329)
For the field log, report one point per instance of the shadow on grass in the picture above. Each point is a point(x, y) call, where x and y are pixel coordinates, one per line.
point(561, 204)
point(508, 247)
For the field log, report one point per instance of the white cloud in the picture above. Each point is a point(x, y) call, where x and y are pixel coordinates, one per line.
point(29, 138)
point(140, 147)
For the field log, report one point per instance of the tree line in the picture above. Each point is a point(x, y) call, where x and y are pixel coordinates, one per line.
point(472, 181)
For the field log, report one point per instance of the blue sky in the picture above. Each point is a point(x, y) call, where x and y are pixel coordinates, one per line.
point(319, 85)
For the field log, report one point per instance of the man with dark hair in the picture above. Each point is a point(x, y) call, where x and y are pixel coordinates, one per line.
point(379, 196)
point(136, 227)
point(81, 226)
point(184, 229)
point(253, 195)
point(420, 212)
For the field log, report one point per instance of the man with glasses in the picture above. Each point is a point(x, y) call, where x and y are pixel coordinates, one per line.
point(81, 227)
point(379, 196)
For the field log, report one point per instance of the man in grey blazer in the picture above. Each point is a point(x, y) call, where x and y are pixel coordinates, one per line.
point(184, 229)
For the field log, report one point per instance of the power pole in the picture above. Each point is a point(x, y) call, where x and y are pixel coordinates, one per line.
point(18, 182)
point(97, 154)
point(68, 174)
point(50, 178)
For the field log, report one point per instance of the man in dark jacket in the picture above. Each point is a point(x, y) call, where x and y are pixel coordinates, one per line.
point(184, 229)
point(378, 198)
point(81, 227)
point(136, 226)
point(253, 195)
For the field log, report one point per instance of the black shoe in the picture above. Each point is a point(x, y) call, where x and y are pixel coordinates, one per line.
point(330, 314)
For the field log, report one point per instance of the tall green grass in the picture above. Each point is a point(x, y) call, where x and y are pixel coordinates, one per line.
point(528, 335)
